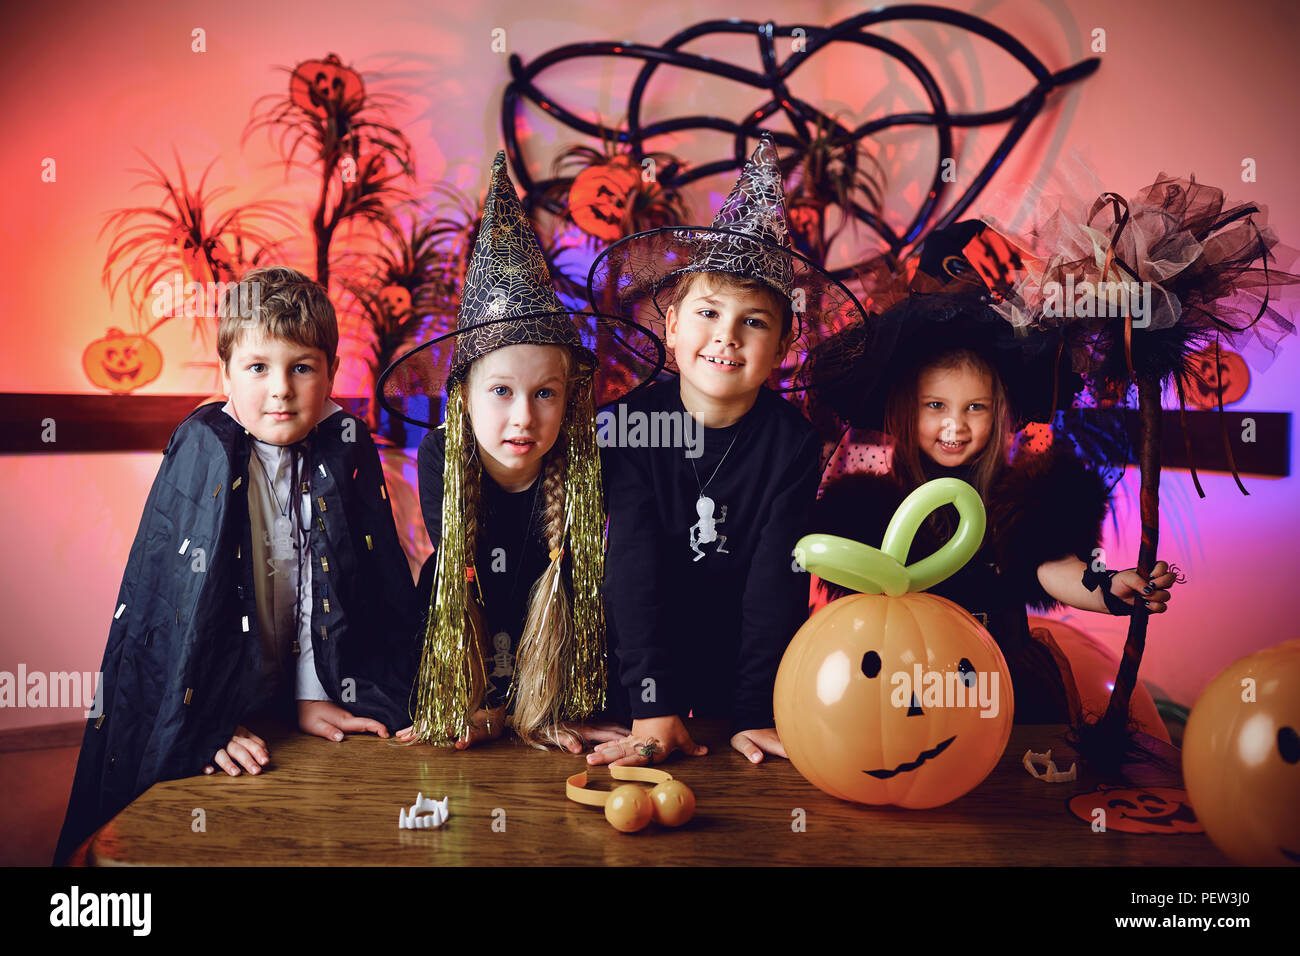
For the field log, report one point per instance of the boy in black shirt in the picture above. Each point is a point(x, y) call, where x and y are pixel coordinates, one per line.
point(701, 590)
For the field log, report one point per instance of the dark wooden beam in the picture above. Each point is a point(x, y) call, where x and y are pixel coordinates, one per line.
point(84, 422)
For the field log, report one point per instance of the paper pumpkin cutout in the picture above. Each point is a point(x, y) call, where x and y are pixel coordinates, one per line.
point(1138, 809)
point(1230, 372)
point(121, 363)
point(895, 698)
point(1241, 758)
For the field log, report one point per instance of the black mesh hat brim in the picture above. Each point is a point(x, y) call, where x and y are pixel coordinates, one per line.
point(637, 278)
point(622, 356)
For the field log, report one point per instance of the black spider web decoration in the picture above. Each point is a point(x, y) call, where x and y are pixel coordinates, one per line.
point(803, 117)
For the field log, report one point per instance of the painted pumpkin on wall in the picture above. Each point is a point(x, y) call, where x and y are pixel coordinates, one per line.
point(1228, 371)
point(896, 697)
point(120, 362)
point(1241, 758)
point(600, 196)
point(325, 87)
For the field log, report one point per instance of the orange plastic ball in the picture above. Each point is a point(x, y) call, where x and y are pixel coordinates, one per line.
point(894, 700)
point(628, 808)
point(1241, 758)
point(673, 803)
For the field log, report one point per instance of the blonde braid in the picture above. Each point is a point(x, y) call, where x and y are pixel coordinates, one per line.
point(548, 627)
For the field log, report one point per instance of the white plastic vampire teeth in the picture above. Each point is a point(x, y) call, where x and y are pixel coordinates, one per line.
point(424, 814)
point(1050, 774)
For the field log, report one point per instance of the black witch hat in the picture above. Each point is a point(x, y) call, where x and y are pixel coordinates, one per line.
point(638, 276)
point(508, 298)
point(948, 307)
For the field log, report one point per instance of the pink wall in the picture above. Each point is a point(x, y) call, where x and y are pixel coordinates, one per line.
point(1183, 88)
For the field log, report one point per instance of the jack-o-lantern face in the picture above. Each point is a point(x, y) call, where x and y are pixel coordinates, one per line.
point(1241, 758)
point(900, 700)
point(121, 363)
point(1138, 810)
point(805, 218)
point(1109, 393)
point(395, 300)
point(1229, 372)
point(600, 196)
point(325, 87)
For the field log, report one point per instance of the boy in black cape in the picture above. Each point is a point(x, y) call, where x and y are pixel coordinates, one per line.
point(235, 604)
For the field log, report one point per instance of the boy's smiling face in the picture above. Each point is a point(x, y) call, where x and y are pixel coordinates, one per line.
point(726, 340)
point(278, 388)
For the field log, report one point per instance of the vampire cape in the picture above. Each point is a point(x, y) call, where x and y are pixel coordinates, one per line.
point(183, 659)
point(1044, 507)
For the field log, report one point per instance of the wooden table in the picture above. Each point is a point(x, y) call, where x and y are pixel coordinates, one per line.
point(325, 804)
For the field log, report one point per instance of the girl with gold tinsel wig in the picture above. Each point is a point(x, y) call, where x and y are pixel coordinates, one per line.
point(501, 486)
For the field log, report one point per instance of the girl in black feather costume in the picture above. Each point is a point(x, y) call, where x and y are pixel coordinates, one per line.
point(949, 388)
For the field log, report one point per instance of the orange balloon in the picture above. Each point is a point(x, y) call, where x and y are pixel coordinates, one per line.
point(1241, 758)
point(879, 700)
point(673, 803)
point(628, 808)
point(1094, 668)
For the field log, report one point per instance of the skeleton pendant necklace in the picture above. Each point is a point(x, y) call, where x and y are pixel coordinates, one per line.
point(705, 530)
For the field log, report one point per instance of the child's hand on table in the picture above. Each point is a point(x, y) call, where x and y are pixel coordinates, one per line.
point(245, 749)
point(324, 718)
point(662, 735)
point(754, 743)
point(484, 725)
point(577, 736)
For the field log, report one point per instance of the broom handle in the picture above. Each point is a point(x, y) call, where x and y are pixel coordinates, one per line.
point(1116, 717)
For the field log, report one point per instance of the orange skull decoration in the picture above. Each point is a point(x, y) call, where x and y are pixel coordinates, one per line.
point(895, 698)
point(121, 363)
point(395, 300)
point(599, 197)
point(1241, 758)
point(1138, 809)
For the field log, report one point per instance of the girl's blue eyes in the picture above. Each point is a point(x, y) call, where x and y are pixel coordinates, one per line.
point(977, 406)
point(503, 391)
